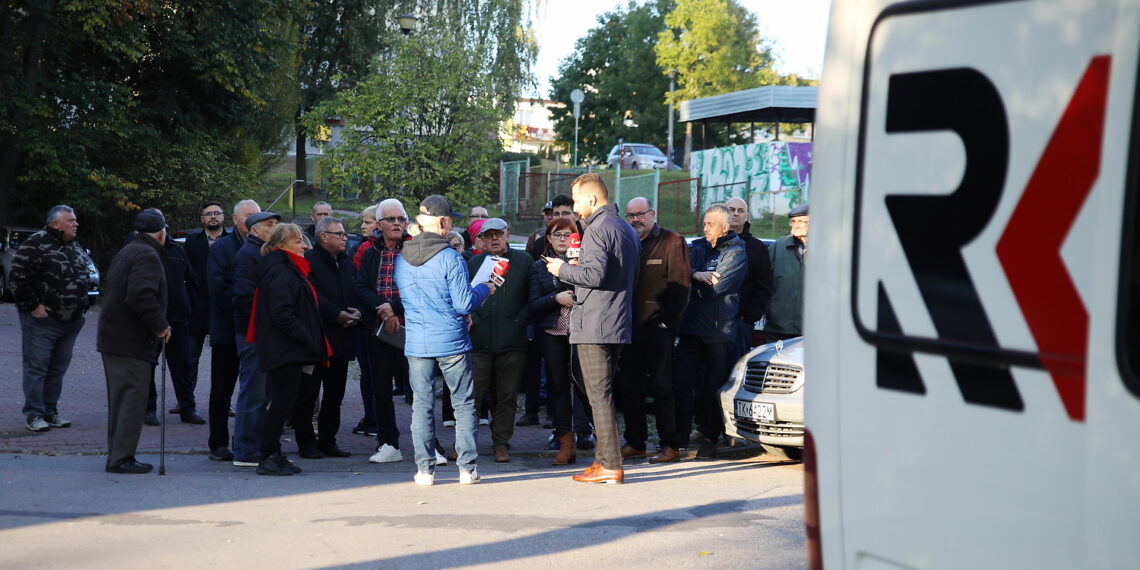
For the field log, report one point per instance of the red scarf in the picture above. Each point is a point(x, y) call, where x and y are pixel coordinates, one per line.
point(302, 265)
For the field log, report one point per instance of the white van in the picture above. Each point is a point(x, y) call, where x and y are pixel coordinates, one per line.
point(973, 291)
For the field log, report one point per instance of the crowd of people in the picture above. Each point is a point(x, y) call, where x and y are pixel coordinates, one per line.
point(631, 311)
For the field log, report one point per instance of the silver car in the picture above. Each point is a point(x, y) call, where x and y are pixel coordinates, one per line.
point(763, 401)
point(636, 156)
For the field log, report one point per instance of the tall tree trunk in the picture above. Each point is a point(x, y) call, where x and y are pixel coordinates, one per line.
point(11, 155)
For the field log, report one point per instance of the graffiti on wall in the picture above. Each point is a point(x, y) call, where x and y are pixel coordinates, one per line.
point(773, 177)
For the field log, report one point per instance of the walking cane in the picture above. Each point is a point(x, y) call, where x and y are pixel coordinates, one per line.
point(162, 410)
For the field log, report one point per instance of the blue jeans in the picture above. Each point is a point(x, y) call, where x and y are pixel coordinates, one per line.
point(249, 418)
point(459, 378)
point(47, 345)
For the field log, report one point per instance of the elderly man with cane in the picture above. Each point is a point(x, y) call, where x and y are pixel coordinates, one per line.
point(131, 325)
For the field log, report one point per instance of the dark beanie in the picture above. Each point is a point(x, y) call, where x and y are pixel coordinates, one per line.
point(150, 221)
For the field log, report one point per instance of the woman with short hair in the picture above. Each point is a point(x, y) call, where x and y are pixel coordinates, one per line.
point(287, 330)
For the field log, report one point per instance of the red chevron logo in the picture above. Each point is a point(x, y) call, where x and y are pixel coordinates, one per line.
point(1030, 246)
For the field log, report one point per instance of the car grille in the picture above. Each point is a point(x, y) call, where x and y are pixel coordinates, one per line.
point(778, 429)
point(768, 378)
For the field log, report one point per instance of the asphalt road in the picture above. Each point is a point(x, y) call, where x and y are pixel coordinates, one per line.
point(58, 509)
point(63, 512)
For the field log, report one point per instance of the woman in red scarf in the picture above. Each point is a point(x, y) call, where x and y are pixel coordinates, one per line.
point(286, 328)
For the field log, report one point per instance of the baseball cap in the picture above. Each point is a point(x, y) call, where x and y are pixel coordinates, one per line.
point(436, 205)
point(549, 207)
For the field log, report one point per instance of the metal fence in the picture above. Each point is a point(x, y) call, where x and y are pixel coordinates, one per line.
point(509, 174)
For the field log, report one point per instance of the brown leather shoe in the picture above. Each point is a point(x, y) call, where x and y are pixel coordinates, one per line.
point(666, 455)
point(566, 452)
point(598, 474)
point(502, 455)
point(630, 452)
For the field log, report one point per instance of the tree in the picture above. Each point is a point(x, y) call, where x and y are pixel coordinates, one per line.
point(344, 37)
point(120, 104)
point(615, 65)
point(715, 47)
point(425, 123)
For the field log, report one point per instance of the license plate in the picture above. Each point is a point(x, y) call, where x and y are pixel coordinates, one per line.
point(758, 411)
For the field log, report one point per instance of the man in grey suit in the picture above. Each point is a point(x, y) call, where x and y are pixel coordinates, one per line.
point(601, 319)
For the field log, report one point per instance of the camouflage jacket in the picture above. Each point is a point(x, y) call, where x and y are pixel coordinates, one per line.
point(48, 271)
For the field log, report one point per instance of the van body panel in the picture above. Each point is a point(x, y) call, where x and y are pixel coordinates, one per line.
point(967, 405)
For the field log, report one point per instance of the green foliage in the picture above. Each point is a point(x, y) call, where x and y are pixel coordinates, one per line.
point(715, 47)
point(425, 123)
point(616, 67)
point(116, 105)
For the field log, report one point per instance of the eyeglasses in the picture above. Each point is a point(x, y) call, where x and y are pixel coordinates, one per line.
point(393, 219)
point(492, 234)
point(341, 235)
point(560, 236)
point(211, 214)
point(479, 216)
point(636, 215)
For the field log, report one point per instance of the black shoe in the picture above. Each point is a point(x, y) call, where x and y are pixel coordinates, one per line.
point(288, 424)
point(364, 427)
point(151, 419)
point(288, 464)
point(527, 420)
point(130, 466)
point(586, 441)
point(221, 454)
point(275, 464)
point(548, 424)
point(334, 450)
point(707, 449)
point(552, 443)
point(192, 417)
point(397, 391)
point(311, 453)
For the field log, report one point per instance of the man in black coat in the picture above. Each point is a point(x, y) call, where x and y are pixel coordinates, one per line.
point(198, 250)
point(131, 323)
point(756, 292)
point(182, 294)
point(224, 371)
point(659, 301)
point(334, 277)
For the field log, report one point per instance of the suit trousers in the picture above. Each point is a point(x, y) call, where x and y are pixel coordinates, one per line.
point(701, 368)
point(599, 363)
point(387, 362)
point(499, 374)
point(333, 378)
point(224, 367)
point(178, 363)
point(127, 385)
point(647, 369)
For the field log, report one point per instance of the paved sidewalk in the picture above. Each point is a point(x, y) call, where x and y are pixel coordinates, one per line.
point(84, 402)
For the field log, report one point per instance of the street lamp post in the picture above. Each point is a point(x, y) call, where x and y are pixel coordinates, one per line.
point(577, 96)
point(669, 143)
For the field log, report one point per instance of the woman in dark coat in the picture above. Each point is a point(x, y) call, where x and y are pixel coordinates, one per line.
point(550, 302)
point(286, 327)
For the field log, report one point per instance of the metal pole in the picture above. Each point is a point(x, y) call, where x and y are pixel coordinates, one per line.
point(575, 139)
point(669, 152)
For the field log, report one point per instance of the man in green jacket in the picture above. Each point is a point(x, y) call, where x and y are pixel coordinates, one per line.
point(498, 335)
point(786, 312)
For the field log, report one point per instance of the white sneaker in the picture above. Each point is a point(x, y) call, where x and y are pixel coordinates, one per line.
point(386, 454)
point(469, 477)
point(37, 423)
point(484, 422)
point(425, 479)
point(440, 459)
point(448, 423)
point(241, 463)
point(57, 421)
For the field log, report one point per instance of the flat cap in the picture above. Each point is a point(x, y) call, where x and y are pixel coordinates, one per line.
point(801, 210)
point(150, 221)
